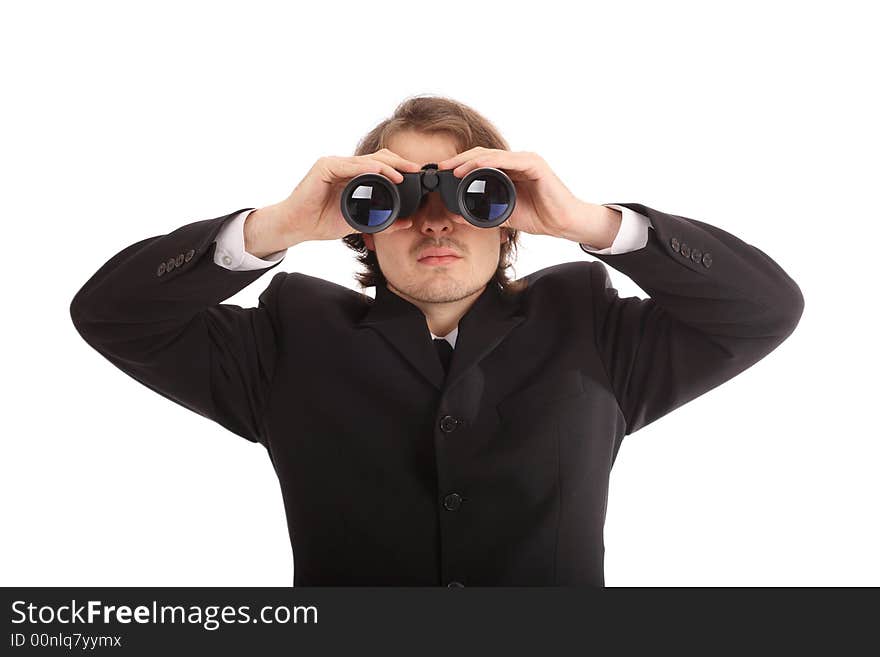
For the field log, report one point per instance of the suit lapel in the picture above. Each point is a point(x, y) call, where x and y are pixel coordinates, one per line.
point(403, 325)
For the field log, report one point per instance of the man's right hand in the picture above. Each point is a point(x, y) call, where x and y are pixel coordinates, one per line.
point(312, 211)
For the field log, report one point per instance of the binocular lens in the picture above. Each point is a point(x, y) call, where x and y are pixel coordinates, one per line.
point(486, 198)
point(370, 204)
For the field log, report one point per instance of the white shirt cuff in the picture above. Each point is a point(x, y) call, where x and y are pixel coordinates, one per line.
point(633, 233)
point(230, 253)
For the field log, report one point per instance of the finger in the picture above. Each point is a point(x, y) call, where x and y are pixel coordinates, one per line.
point(498, 159)
point(396, 161)
point(345, 168)
point(464, 156)
point(409, 165)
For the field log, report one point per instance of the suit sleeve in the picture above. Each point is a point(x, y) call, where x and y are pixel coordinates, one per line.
point(154, 311)
point(716, 306)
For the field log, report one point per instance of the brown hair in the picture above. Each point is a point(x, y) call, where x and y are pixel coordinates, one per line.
point(435, 114)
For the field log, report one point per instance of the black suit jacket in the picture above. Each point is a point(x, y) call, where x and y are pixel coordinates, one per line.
point(391, 475)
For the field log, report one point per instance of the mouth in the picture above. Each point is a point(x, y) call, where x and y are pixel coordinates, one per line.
point(438, 255)
point(438, 260)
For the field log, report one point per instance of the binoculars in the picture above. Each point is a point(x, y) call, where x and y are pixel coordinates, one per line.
point(485, 197)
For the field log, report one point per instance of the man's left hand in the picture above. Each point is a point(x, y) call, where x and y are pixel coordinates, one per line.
point(544, 205)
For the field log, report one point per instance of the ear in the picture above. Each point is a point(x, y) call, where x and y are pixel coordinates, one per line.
point(368, 241)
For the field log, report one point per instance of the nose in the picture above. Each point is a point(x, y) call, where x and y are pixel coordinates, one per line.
point(434, 217)
point(436, 224)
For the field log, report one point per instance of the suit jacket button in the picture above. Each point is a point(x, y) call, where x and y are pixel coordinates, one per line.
point(179, 260)
point(696, 254)
point(169, 265)
point(707, 260)
point(161, 269)
point(448, 424)
point(455, 585)
point(674, 243)
point(685, 250)
point(452, 501)
point(189, 255)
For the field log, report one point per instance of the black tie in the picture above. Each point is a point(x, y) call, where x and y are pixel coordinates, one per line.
point(444, 350)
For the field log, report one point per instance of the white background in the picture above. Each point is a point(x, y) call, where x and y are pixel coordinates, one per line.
point(123, 121)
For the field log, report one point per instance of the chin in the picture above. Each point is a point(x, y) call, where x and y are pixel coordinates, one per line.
point(436, 289)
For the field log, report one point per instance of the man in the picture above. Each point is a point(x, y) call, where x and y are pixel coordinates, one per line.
point(461, 428)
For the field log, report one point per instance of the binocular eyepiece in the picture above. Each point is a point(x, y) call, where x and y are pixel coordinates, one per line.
point(485, 197)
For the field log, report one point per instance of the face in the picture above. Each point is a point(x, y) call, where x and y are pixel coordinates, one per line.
point(433, 226)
